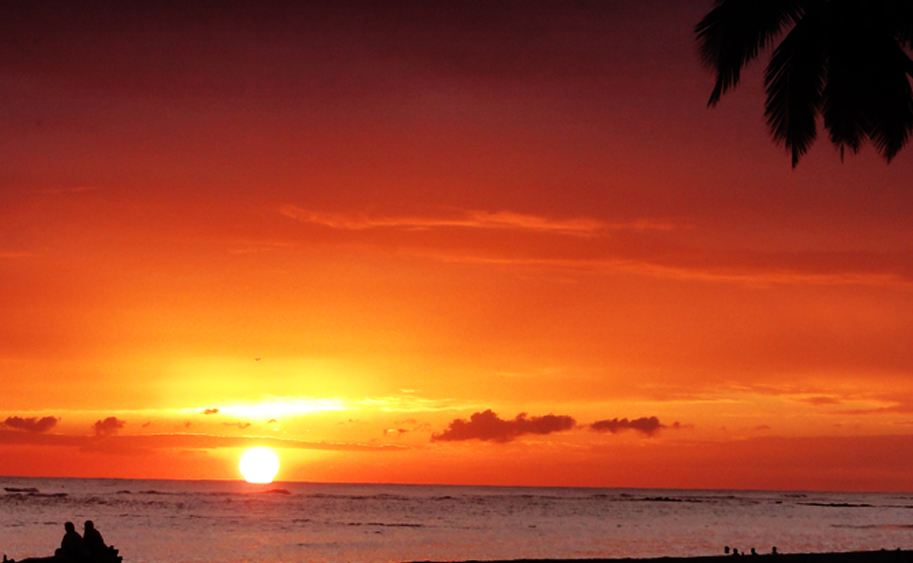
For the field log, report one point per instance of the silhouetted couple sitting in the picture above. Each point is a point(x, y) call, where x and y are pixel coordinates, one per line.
point(87, 548)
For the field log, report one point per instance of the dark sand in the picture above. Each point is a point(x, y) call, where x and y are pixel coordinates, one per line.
point(882, 556)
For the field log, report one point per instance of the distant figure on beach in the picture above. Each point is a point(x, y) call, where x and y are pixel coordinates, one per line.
point(726, 549)
point(72, 546)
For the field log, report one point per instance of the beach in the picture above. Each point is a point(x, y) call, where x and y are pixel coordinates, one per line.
point(151, 520)
point(880, 556)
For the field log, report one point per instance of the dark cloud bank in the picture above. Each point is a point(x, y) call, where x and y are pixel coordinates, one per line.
point(31, 424)
point(108, 426)
point(648, 425)
point(489, 427)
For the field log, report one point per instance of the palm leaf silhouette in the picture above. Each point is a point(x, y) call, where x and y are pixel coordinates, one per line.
point(844, 62)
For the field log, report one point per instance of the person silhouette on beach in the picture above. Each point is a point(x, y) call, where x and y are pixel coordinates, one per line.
point(72, 546)
point(93, 541)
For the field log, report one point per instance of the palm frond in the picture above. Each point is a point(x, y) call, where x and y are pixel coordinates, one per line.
point(845, 59)
point(843, 100)
point(889, 103)
point(868, 93)
point(794, 83)
point(843, 116)
point(734, 32)
point(899, 13)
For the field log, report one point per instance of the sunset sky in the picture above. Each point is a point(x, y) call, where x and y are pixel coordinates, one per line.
point(373, 235)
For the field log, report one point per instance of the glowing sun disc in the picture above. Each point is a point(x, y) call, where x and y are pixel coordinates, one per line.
point(259, 465)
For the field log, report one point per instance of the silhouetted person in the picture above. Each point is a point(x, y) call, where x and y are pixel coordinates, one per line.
point(72, 547)
point(735, 551)
point(93, 541)
point(96, 549)
point(773, 550)
point(753, 552)
point(726, 549)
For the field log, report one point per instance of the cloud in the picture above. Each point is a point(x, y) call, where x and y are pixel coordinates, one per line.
point(407, 404)
point(402, 427)
point(594, 246)
point(470, 219)
point(902, 408)
point(210, 411)
point(31, 424)
point(19, 438)
point(138, 442)
point(241, 425)
point(488, 426)
point(249, 246)
point(108, 426)
point(821, 400)
point(15, 254)
point(716, 269)
point(67, 190)
point(648, 425)
point(875, 404)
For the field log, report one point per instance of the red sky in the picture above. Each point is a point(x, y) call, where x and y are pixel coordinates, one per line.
point(347, 227)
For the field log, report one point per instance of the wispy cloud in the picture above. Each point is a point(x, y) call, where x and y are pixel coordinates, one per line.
point(903, 407)
point(773, 274)
point(593, 246)
point(67, 190)
point(819, 400)
point(721, 271)
point(241, 425)
point(15, 254)
point(470, 219)
point(277, 407)
point(252, 246)
point(410, 404)
point(132, 443)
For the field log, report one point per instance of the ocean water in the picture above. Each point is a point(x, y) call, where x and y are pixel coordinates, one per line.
point(228, 521)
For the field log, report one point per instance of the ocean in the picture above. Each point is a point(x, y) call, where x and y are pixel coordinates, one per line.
point(231, 521)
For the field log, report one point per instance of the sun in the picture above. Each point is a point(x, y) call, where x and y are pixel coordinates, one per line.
point(259, 465)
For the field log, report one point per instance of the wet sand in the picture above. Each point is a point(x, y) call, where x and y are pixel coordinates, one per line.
point(881, 556)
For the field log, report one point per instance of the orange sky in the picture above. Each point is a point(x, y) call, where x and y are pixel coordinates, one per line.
point(346, 228)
